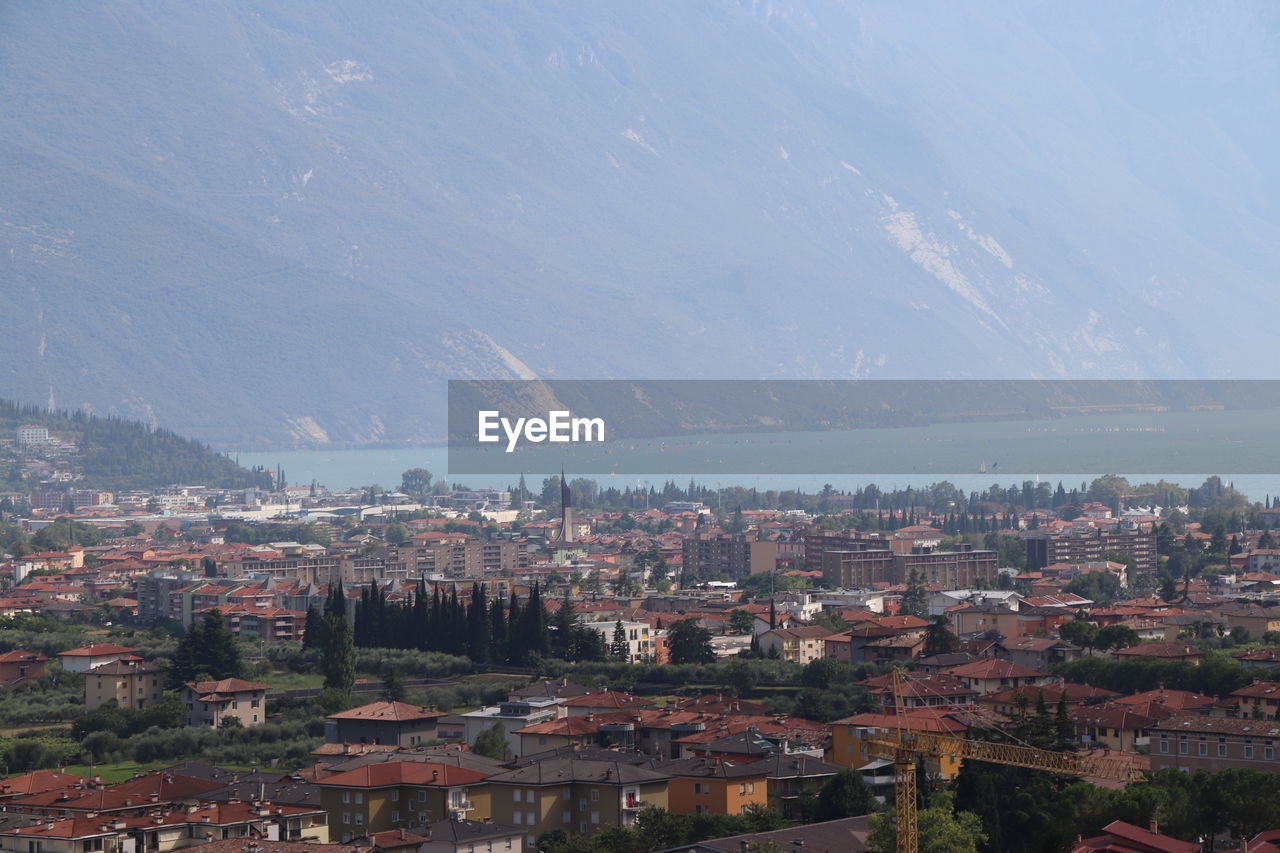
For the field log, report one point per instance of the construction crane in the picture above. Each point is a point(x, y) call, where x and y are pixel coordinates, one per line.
point(904, 749)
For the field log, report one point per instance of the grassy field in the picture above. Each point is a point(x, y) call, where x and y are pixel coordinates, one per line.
point(115, 772)
point(124, 770)
point(284, 680)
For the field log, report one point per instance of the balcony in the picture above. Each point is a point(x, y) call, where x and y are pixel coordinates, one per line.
point(633, 803)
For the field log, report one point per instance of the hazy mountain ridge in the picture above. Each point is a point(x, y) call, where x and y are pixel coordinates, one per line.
point(280, 224)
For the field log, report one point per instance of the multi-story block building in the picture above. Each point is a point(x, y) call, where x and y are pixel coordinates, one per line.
point(401, 794)
point(129, 682)
point(643, 642)
point(1192, 742)
point(732, 556)
point(574, 795)
point(1084, 544)
point(801, 644)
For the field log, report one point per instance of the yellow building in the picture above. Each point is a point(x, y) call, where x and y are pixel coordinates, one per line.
point(716, 786)
point(129, 682)
point(401, 794)
point(849, 737)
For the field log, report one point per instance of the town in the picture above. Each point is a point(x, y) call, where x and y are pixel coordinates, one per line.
point(448, 669)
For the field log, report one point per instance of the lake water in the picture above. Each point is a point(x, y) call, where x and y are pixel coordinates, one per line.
point(1237, 445)
point(340, 469)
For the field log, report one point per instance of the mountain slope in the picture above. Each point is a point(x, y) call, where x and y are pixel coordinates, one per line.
point(268, 224)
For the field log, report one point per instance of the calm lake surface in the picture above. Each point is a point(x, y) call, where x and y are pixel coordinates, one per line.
point(1240, 446)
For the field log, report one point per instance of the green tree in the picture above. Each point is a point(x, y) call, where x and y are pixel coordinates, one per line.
point(337, 656)
point(1079, 633)
point(689, 642)
point(845, 794)
point(1114, 637)
point(619, 649)
point(207, 650)
point(940, 828)
point(392, 685)
point(914, 599)
point(938, 639)
point(740, 621)
point(416, 482)
point(1099, 587)
point(492, 743)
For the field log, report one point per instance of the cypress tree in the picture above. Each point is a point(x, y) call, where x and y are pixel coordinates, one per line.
point(515, 652)
point(478, 625)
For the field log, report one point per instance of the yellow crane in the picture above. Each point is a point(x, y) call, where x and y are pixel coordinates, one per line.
point(908, 745)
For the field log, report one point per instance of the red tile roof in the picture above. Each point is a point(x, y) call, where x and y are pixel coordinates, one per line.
point(416, 773)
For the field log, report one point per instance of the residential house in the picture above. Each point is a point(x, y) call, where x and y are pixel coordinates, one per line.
point(801, 644)
point(1037, 652)
point(397, 723)
point(400, 794)
point(1113, 726)
point(991, 675)
point(574, 795)
point(130, 682)
point(1162, 651)
point(1193, 742)
point(21, 665)
point(510, 716)
point(467, 836)
point(1259, 700)
point(795, 778)
point(87, 657)
point(210, 702)
point(1121, 837)
point(714, 786)
point(1073, 696)
point(851, 738)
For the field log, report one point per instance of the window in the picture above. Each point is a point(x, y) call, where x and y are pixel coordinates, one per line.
point(595, 795)
point(528, 796)
point(568, 817)
point(1164, 746)
point(1203, 748)
point(1248, 751)
point(422, 796)
point(1182, 747)
point(359, 797)
point(1222, 750)
point(346, 817)
point(528, 818)
point(565, 795)
point(1268, 753)
point(359, 818)
point(346, 796)
point(395, 817)
point(515, 795)
point(595, 817)
point(395, 795)
point(515, 818)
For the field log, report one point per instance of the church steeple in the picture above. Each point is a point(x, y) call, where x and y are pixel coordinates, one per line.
point(566, 510)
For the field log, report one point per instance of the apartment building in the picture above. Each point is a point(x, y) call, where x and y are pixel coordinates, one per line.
point(728, 555)
point(401, 794)
point(574, 795)
point(1192, 742)
point(209, 703)
point(1085, 544)
point(129, 682)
